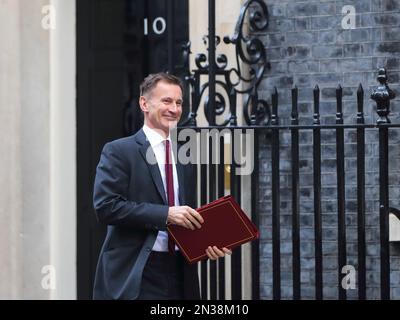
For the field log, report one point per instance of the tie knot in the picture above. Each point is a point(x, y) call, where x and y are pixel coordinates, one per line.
point(167, 146)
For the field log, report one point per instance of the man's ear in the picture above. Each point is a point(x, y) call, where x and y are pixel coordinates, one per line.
point(143, 104)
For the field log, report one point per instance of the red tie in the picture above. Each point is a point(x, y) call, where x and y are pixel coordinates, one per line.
point(170, 188)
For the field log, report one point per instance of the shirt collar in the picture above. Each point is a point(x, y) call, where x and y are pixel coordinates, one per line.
point(153, 136)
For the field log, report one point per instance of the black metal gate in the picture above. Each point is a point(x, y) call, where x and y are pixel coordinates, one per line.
point(382, 95)
point(214, 183)
point(260, 121)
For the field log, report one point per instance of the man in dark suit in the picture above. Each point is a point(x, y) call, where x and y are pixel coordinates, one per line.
point(137, 197)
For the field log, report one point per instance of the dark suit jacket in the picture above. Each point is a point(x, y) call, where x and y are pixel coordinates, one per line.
point(129, 197)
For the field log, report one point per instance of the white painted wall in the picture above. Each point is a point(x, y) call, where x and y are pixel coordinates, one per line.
point(63, 149)
point(10, 150)
point(37, 163)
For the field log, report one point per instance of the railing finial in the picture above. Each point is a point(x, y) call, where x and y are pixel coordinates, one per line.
point(382, 96)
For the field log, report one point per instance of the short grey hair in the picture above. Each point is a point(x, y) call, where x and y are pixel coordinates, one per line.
point(150, 82)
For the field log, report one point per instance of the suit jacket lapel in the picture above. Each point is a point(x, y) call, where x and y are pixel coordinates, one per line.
point(153, 168)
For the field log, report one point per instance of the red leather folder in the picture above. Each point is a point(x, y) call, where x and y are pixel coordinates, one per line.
point(225, 225)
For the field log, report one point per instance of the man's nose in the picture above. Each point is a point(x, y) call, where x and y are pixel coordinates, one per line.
point(173, 107)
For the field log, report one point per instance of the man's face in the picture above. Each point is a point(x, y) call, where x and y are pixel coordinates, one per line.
point(162, 108)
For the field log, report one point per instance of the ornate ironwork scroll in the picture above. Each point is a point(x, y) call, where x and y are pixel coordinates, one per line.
point(245, 78)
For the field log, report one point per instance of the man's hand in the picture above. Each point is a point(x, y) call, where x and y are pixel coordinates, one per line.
point(214, 253)
point(185, 216)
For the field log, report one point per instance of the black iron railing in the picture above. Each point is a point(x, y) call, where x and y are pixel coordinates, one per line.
point(212, 178)
point(207, 81)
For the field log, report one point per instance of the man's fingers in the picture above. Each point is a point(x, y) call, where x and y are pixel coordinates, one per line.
point(214, 252)
point(193, 220)
point(188, 223)
point(195, 214)
point(188, 217)
point(211, 254)
point(218, 252)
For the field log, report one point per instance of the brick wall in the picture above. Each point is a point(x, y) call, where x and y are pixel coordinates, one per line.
point(306, 45)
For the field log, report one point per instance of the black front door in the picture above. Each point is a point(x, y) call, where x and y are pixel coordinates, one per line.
point(118, 43)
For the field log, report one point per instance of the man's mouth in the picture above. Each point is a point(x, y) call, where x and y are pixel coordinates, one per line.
point(170, 118)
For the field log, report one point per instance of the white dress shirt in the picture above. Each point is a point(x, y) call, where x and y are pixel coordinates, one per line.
point(157, 144)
